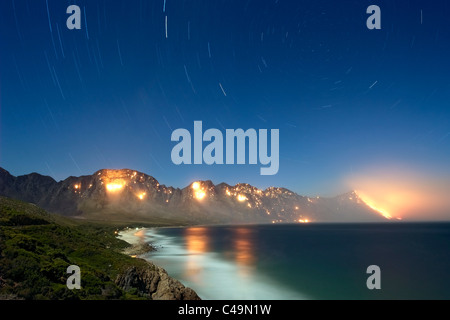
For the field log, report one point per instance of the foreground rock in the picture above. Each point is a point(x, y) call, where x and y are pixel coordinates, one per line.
point(154, 282)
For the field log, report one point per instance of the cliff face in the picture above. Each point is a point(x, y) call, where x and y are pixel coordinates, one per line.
point(128, 195)
point(154, 282)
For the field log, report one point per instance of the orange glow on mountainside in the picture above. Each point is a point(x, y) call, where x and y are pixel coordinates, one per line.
point(373, 206)
point(112, 187)
point(115, 180)
point(200, 195)
point(402, 193)
point(241, 198)
point(142, 195)
point(199, 192)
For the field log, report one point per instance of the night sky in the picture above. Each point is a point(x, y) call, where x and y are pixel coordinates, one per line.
point(348, 101)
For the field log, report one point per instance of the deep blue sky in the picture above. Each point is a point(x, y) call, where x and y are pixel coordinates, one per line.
point(109, 95)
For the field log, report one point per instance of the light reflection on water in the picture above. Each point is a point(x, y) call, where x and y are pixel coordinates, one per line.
point(197, 240)
point(227, 272)
point(196, 245)
point(318, 261)
point(243, 248)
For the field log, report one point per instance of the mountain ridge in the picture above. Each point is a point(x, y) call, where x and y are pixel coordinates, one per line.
point(130, 194)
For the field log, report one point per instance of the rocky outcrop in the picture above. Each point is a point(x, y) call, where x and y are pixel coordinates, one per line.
point(154, 282)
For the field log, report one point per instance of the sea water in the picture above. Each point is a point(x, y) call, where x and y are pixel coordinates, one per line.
point(306, 261)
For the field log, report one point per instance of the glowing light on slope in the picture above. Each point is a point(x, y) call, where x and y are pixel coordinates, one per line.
point(241, 197)
point(199, 193)
point(412, 193)
point(142, 195)
point(113, 187)
point(372, 205)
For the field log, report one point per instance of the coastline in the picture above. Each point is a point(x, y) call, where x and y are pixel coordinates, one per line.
point(128, 235)
point(213, 275)
point(164, 286)
point(137, 245)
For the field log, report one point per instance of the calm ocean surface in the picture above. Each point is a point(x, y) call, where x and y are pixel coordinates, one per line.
point(314, 261)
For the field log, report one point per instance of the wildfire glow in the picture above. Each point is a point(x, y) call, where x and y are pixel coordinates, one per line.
point(199, 192)
point(141, 196)
point(303, 220)
point(404, 192)
point(112, 187)
point(241, 197)
point(372, 205)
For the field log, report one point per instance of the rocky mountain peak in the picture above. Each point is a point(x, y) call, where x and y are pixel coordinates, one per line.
point(127, 194)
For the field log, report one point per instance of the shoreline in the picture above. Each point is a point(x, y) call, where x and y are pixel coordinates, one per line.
point(231, 276)
point(137, 245)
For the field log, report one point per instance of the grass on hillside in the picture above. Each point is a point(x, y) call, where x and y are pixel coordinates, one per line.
point(36, 248)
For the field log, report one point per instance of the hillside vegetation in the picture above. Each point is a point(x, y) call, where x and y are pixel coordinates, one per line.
point(36, 248)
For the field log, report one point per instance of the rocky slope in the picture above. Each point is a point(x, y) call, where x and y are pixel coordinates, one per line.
point(130, 195)
point(155, 283)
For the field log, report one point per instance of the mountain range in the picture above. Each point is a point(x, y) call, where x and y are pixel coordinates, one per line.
point(129, 195)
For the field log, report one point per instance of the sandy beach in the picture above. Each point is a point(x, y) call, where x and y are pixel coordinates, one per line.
point(135, 237)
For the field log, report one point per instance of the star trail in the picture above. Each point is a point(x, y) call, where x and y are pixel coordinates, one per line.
point(344, 98)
